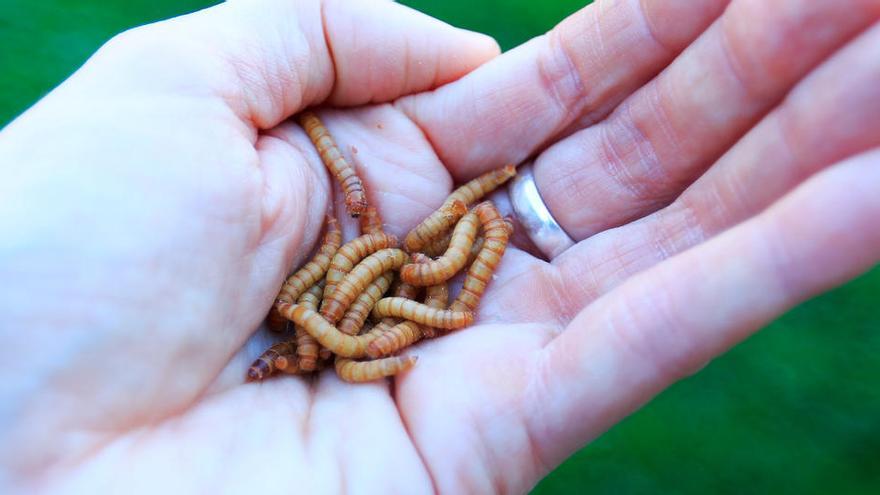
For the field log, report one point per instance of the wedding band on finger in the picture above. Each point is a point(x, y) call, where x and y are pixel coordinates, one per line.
point(532, 213)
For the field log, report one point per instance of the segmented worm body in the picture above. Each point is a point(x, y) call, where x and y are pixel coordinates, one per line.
point(437, 222)
point(422, 314)
point(371, 222)
point(288, 363)
point(435, 225)
point(400, 336)
point(345, 173)
point(307, 348)
point(265, 364)
point(325, 333)
point(352, 253)
point(354, 318)
point(366, 371)
point(496, 233)
point(358, 278)
point(442, 269)
point(314, 270)
point(275, 322)
point(437, 297)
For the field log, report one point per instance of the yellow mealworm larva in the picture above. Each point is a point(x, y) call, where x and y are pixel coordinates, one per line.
point(322, 330)
point(289, 364)
point(345, 173)
point(355, 281)
point(366, 371)
point(307, 348)
point(437, 297)
point(435, 225)
point(398, 337)
point(265, 364)
point(453, 260)
point(422, 314)
point(437, 222)
point(496, 233)
point(437, 246)
point(352, 253)
point(483, 185)
point(275, 322)
point(354, 318)
point(314, 270)
point(371, 222)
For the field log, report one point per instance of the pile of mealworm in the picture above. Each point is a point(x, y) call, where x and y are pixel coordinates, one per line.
point(330, 299)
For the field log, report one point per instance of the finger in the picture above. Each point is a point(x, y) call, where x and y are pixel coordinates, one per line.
point(824, 119)
point(270, 58)
point(573, 76)
point(664, 136)
point(666, 322)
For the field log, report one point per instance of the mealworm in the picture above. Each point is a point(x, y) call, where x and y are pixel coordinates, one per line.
point(496, 233)
point(398, 337)
point(422, 314)
point(275, 322)
point(371, 222)
point(345, 173)
point(314, 270)
point(366, 371)
point(453, 260)
point(435, 225)
point(322, 330)
point(357, 280)
point(352, 253)
point(354, 318)
point(307, 348)
point(288, 363)
point(468, 193)
point(265, 364)
point(437, 297)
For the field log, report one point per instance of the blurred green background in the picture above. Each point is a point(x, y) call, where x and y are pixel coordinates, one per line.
point(795, 409)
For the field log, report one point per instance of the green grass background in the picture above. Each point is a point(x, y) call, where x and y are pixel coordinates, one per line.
point(795, 409)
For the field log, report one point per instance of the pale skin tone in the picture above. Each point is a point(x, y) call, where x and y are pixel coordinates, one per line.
point(153, 204)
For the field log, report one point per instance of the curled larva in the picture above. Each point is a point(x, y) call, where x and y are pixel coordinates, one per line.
point(345, 173)
point(398, 337)
point(314, 270)
point(496, 233)
point(357, 313)
point(357, 280)
point(352, 253)
point(442, 269)
point(436, 223)
point(419, 313)
point(370, 221)
point(265, 364)
point(288, 363)
point(324, 332)
point(365, 371)
point(308, 275)
point(275, 322)
point(307, 348)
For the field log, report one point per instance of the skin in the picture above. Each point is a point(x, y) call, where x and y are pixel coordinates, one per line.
point(154, 202)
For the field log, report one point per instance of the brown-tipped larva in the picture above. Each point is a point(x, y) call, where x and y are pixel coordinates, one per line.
point(442, 269)
point(496, 233)
point(345, 173)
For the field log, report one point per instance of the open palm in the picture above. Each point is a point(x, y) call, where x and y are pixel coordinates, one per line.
point(165, 196)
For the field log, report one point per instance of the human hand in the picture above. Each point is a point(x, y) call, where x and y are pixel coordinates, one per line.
point(492, 407)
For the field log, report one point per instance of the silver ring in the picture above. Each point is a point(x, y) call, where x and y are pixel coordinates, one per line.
point(534, 216)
